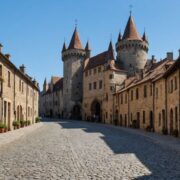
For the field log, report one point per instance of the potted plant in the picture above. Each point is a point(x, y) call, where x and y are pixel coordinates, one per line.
point(16, 124)
point(22, 123)
point(2, 127)
point(28, 122)
point(38, 119)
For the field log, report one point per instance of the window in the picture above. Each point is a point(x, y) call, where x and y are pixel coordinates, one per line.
point(131, 95)
point(176, 117)
point(99, 69)
point(90, 72)
point(159, 119)
point(156, 93)
point(89, 86)
point(111, 76)
point(171, 85)
point(125, 98)
point(1, 70)
point(137, 93)
point(175, 83)
point(19, 85)
point(86, 73)
point(100, 84)
point(9, 79)
point(94, 70)
point(144, 117)
point(145, 91)
point(22, 87)
point(121, 98)
point(106, 96)
point(94, 85)
point(150, 90)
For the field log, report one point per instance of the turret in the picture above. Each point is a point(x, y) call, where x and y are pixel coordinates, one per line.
point(88, 50)
point(45, 86)
point(73, 59)
point(132, 49)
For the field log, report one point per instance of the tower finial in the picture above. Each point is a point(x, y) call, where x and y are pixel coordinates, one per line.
point(76, 22)
point(130, 8)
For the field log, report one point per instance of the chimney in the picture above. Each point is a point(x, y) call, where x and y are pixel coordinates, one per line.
point(170, 55)
point(1, 48)
point(153, 59)
point(8, 56)
point(22, 68)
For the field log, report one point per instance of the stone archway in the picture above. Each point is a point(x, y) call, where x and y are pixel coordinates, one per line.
point(96, 111)
point(76, 112)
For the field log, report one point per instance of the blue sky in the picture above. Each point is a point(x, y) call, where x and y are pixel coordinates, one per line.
point(33, 31)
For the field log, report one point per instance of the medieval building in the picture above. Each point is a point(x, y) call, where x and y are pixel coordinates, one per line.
point(19, 93)
point(127, 89)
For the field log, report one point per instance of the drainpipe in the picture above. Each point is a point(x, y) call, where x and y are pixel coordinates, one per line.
point(128, 108)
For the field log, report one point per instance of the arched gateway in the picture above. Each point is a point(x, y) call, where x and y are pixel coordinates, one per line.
point(96, 111)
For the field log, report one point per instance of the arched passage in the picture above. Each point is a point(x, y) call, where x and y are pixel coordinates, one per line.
point(76, 112)
point(96, 111)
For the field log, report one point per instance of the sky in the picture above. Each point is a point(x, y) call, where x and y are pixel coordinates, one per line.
point(33, 31)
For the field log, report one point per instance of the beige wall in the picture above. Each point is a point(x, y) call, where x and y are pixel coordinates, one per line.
point(14, 97)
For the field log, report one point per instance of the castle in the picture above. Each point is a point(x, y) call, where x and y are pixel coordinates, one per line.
point(126, 90)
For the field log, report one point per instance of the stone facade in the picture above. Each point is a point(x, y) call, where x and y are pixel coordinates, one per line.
point(51, 98)
point(19, 94)
point(129, 90)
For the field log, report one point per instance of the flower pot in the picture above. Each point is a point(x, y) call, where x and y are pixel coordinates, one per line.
point(1, 130)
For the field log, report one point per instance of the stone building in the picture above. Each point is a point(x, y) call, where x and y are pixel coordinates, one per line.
point(51, 98)
point(101, 76)
point(126, 90)
point(19, 93)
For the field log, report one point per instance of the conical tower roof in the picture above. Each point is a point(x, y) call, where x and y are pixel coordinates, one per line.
point(119, 36)
point(75, 42)
point(130, 32)
point(110, 52)
point(64, 47)
point(145, 38)
point(87, 48)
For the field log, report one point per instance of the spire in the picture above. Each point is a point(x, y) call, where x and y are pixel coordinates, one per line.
point(145, 38)
point(64, 47)
point(45, 82)
point(119, 36)
point(87, 48)
point(130, 32)
point(75, 42)
point(110, 52)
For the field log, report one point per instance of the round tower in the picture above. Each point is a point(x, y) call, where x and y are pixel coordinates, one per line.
point(73, 59)
point(132, 49)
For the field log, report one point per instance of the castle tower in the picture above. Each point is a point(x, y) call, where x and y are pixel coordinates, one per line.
point(132, 49)
point(45, 86)
point(73, 59)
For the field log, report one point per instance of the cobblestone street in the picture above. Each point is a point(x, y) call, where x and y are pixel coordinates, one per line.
point(79, 150)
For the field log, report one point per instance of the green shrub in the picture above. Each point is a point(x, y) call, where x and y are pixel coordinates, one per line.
point(2, 126)
point(16, 123)
point(28, 122)
point(38, 119)
point(22, 122)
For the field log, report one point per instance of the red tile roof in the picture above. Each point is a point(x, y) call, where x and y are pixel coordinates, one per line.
point(75, 42)
point(130, 32)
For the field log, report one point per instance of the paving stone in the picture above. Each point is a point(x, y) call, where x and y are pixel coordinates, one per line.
point(78, 150)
